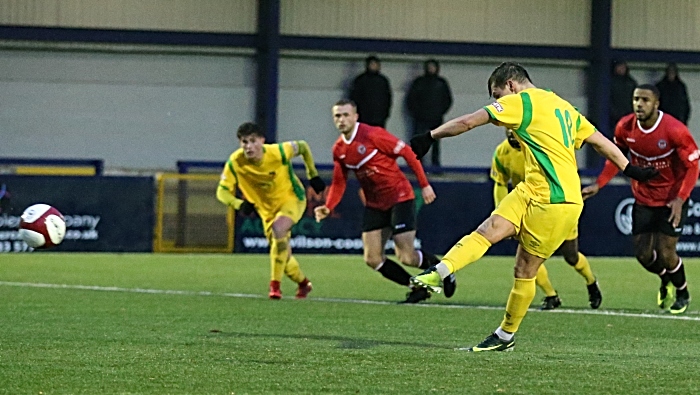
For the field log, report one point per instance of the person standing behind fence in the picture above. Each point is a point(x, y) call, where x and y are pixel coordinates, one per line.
point(264, 174)
point(622, 87)
point(371, 92)
point(674, 95)
point(429, 98)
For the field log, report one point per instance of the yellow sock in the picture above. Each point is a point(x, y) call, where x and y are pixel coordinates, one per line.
point(584, 269)
point(279, 255)
point(293, 271)
point(518, 302)
point(469, 249)
point(542, 281)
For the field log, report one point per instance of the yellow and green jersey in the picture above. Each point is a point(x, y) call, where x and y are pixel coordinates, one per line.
point(266, 184)
point(508, 164)
point(549, 129)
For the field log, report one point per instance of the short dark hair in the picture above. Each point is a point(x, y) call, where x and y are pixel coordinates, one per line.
point(249, 128)
point(650, 87)
point(507, 71)
point(344, 102)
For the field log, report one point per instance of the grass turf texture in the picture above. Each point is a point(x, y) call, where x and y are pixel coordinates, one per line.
point(72, 340)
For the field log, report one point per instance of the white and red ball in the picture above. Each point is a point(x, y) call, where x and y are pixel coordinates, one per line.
point(42, 226)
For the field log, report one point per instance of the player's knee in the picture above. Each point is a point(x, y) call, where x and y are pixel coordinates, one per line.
point(407, 257)
point(496, 228)
point(571, 259)
point(644, 257)
point(279, 232)
point(373, 260)
point(668, 258)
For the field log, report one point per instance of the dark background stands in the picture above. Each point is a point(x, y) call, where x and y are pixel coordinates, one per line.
point(674, 95)
point(428, 99)
point(371, 92)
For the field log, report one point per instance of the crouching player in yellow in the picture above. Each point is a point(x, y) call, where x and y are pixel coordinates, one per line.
point(264, 174)
point(508, 165)
point(540, 211)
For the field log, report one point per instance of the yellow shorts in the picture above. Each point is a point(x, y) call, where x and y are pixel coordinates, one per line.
point(292, 208)
point(540, 227)
point(573, 235)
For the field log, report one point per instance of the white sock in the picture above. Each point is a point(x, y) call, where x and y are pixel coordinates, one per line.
point(442, 270)
point(503, 335)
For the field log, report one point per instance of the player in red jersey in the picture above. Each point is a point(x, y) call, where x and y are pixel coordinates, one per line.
point(654, 138)
point(371, 153)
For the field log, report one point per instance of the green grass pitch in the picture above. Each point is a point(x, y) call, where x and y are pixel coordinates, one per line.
point(202, 324)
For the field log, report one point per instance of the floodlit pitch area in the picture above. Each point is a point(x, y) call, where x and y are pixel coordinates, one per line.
point(155, 323)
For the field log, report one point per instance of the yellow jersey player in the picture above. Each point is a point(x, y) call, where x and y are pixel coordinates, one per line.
point(508, 165)
point(540, 211)
point(264, 175)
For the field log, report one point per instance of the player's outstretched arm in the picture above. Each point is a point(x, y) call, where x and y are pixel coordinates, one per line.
point(454, 127)
point(611, 152)
point(303, 149)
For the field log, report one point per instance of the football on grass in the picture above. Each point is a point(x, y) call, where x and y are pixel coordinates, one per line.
point(42, 226)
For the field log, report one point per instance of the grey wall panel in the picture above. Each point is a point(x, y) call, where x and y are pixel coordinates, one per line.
point(559, 22)
point(225, 16)
point(653, 24)
point(135, 111)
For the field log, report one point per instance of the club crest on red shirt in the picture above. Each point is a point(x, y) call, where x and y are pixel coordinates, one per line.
point(361, 149)
point(662, 144)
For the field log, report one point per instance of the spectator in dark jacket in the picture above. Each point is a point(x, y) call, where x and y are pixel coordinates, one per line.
point(429, 98)
point(371, 92)
point(674, 95)
point(622, 87)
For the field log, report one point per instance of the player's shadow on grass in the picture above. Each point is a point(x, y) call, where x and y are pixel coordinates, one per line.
point(343, 342)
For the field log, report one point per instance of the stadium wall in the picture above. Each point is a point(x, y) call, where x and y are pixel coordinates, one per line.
point(229, 16)
point(46, 65)
point(568, 21)
point(170, 106)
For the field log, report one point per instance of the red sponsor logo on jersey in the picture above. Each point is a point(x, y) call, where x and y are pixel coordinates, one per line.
point(497, 106)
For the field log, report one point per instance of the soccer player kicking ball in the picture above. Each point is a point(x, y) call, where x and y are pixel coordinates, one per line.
point(540, 211)
point(656, 139)
point(371, 153)
point(263, 173)
point(508, 165)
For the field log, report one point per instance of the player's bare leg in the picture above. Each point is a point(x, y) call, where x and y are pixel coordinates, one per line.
point(405, 250)
point(675, 271)
point(572, 256)
point(646, 254)
point(374, 242)
point(645, 245)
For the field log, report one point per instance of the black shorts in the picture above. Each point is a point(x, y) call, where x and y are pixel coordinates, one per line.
point(400, 218)
point(647, 219)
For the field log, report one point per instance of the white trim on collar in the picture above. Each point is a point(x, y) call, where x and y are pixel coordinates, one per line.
point(658, 121)
point(352, 136)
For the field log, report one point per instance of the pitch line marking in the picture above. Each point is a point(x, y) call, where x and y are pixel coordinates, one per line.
point(689, 317)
